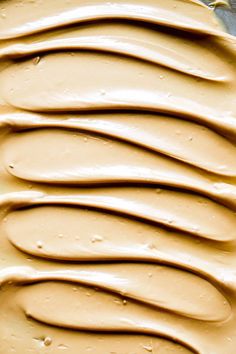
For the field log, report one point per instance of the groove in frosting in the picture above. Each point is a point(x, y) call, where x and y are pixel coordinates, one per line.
point(129, 84)
point(131, 40)
point(77, 234)
point(180, 139)
point(92, 159)
point(184, 14)
point(182, 211)
point(124, 279)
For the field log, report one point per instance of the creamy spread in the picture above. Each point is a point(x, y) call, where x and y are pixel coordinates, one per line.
point(118, 178)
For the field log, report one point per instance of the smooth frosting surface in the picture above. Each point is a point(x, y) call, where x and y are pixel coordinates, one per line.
point(117, 178)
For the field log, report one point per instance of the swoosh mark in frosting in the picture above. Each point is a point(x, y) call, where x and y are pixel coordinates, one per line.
point(118, 178)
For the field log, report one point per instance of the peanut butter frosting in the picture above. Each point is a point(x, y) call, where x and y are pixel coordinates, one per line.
point(117, 178)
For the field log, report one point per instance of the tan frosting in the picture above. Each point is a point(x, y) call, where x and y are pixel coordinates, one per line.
point(118, 178)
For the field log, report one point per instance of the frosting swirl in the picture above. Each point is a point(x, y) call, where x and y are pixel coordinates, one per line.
point(118, 178)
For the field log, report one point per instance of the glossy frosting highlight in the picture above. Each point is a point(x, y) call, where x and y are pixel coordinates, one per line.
point(118, 178)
